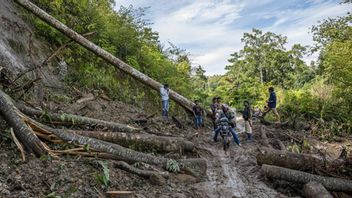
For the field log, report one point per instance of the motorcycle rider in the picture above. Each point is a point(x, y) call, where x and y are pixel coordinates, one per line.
point(230, 114)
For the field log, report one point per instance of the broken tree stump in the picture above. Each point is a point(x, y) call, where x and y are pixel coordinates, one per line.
point(330, 183)
point(316, 190)
point(24, 133)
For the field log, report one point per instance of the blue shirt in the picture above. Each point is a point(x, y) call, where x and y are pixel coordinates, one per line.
point(272, 100)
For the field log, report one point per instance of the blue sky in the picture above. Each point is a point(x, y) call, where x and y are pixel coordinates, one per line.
point(210, 30)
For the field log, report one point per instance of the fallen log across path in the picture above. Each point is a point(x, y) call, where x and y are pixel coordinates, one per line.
point(330, 183)
point(291, 160)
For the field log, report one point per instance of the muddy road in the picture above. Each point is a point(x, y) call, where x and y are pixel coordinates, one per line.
point(234, 174)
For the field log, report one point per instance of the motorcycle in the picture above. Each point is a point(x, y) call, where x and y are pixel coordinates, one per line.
point(225, 132)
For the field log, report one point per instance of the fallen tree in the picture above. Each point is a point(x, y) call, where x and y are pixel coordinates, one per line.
point(71, 119)
point(291, 160)
point(119, 152)
point(316, 190)
point(304, 162)
point(179, 99)
point(330, 183)
point(141, 141)
point(24, 133)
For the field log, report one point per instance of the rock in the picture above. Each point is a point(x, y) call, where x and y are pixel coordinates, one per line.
point(157, 179)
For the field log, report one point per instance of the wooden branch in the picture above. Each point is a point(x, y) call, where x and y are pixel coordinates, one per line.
point(18, 144)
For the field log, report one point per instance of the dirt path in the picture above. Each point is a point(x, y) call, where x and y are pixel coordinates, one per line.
point(234, 174)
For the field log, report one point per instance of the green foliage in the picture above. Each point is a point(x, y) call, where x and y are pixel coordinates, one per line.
point(104, 177)
point(172, 166)
point(125, 34)
point(46, 158)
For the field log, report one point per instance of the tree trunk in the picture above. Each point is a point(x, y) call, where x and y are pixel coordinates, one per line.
point(330, 183)
point(77, 120)
point(295, 161)
point(143, 173)
point(184, 102)
point(119, 152)
point(141, 142)
point(265, 140)
point(316, 190)
point(25, 135)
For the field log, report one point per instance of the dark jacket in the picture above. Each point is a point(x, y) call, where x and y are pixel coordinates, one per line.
point(197, 110)
point(247, 113)
point(272, 100)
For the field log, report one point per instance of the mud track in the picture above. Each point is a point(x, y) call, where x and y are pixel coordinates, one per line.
point(234, 174)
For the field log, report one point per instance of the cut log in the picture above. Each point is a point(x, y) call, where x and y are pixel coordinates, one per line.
point(330, 183)
point(76, 119)
point(179, 99)
point(120, 153)
point(316, 190)
point(141, 142)
point(142, 173)
point(291, 160)
point(25, 135)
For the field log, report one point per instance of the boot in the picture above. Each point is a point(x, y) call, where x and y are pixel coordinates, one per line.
point(249, 137)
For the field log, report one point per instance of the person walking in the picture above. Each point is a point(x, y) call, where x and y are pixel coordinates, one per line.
point(164, 93)
point(272, 104)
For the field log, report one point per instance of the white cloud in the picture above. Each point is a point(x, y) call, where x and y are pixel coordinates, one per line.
point(212, 29)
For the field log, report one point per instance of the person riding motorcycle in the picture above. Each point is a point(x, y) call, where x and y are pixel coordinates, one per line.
point(230, 114)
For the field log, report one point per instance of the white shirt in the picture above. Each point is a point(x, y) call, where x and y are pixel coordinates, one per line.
point(164, 93)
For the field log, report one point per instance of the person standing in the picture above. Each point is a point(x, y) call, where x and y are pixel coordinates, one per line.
point(272, 104)
point(247, 117)
point(164, 93)
point(198, 114)
point(214, 107)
